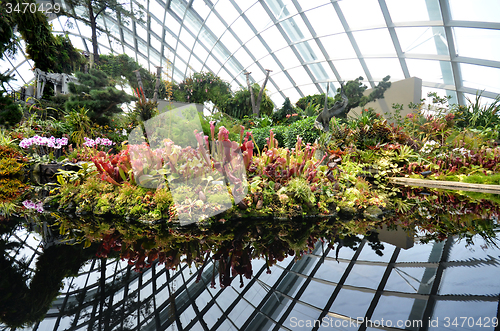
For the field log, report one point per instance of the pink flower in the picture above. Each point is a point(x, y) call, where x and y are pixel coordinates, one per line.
point(287, 116)
point(295, 114)
point(212, 129)
point(223, 134)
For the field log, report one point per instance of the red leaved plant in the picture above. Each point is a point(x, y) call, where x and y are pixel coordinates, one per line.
point(114, 169)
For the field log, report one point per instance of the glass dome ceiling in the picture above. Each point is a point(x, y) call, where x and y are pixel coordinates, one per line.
point(452, 45)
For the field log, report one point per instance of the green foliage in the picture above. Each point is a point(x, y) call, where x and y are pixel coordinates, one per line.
point(50, 53)
point(315, 100)
point(240, 105)
point(201, 87)
point(7, 38)
point(286, 109)
point(10, 112)
point(303, 128)
point(95, 94)
point(477, 116)
point(260, 135)
point(354, 90)
point(300, 189)
point(80, 124)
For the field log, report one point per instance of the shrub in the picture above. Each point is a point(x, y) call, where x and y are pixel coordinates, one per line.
point(10, 112)
point(261, 134)
point(305, 129)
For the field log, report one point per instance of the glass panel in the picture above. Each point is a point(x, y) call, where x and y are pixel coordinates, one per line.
point(420, 253)
point(156, 28)
point(240, 314)
point(178, 7)
point(368, 254)
point(181, 66)
point(473, 310)
point(349, 69)
point(293, 94)
point(396, 317)
point(480, 77)
point(243, 57)
point(317, 294)
point(257, 74)
point(274, 39)
point(187, 39)
point(182, 53)
point(200, 52)
point(263, 18)
point(352, 303)
point(187, 316)
point(215, 25)
point(172, 23)
point(282, 80)
point(370, 16)
point(363, 275)
point(296, 29)
point(242, 30)
point(195, 64)
point(320, 16)
point(299, 75)
point(285, 9)
point(482, 11)
point(420, 40)
point(331, 271)
point(403, 11)
point(156, 44)
point(258, 50)
point(309, 51)
point(427, 70)
point(310, 4)
point(375, 42)
point(309, 89)
point(227, 326)
point(467, 280)
point(201, 8)
point(227, 11)
point(338, 46)
point(212, 315)
point(192, 23)
point(141, 32)
point(156, 9)
point(302, 318)
point(213, 64)
point(287, 58)
point(277, 99)
point(319, 72)
point(487, 38)
point(230, 42)
point(411, 280)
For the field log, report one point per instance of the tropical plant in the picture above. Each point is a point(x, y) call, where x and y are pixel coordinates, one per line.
point(80, 123)
point(95, 94)
point(240, 104)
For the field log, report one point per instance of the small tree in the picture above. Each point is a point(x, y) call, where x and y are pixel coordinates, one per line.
point(240, 104)
point(95, 93)
point(94, 8)
point(354, 91)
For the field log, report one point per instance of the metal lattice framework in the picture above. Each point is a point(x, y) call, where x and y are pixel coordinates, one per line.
point(452, 45)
